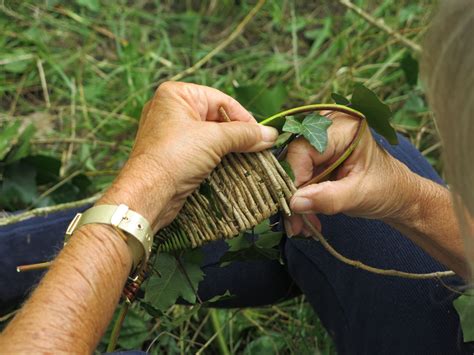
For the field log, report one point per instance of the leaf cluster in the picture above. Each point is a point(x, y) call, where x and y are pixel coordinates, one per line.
point(33, 180)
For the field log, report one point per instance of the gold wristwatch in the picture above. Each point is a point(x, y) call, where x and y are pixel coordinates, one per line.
point(132, 227)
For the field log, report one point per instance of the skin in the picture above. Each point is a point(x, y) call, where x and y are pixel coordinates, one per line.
point(179, 142)
point(373, 184)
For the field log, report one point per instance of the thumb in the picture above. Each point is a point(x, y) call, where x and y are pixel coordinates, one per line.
point(329, 197)
point(244, 137)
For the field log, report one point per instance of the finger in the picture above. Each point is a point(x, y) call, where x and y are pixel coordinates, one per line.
point(329, 197)
point(242, 137)
point(232, 107)
point(203, 101)
point(315, 222)
point(293, 225)
point(300, 160)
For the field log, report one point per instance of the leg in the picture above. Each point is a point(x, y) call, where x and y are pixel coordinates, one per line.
point(38, 239)
point(252, 283)
point(32, 241)
point(372, 314)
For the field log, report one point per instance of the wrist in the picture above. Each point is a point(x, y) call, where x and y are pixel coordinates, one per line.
point(410, 198)
point(144, 186)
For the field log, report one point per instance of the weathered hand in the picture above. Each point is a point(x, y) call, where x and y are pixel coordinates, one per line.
point(370, 183)
point(179, 141)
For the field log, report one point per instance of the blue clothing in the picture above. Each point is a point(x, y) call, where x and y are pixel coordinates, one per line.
point(364, 313)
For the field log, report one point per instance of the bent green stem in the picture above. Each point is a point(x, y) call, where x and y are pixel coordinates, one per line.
point(117, 327)
point(277, 120)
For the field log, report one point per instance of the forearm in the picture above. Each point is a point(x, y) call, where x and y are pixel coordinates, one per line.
point(73, 304)
point(426, 215)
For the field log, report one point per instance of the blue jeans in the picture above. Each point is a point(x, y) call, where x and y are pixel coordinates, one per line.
point(363, 312)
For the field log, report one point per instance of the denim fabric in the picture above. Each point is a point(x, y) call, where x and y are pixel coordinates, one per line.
point(364, 313)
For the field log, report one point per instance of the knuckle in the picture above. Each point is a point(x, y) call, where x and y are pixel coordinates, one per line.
point(167, 87)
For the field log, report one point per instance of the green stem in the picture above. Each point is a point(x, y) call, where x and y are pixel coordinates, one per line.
point(277, 120)
point(216, 324)
point(117, 327)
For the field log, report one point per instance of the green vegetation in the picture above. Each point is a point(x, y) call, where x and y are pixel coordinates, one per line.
point(74, 76)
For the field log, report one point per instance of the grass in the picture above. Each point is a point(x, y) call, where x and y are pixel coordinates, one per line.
point(81, 71)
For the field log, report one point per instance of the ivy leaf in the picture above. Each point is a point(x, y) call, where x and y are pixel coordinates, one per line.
point(269, 239)
point(174, 282)
point(238, 243)
point(376, 112)
point(315, 130)
point(292, 125)
point(339, 99)
point(464, 305)
point(282, 139)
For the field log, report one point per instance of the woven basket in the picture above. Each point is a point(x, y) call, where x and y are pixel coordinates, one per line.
point(241, 192)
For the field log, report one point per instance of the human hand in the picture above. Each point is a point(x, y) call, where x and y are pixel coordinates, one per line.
point(179, 142)
point(370, 183)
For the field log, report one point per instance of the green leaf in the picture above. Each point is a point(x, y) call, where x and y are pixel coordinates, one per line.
point(134, 329)
point(225, 296)
point(272, 343)
point(238, 243)
point(376, 112)
point(47, 168)
point(269, 239)
point(18, 189)
point(314, 128)
point(315, 131)
point(282, 139)
point(262, 227)
point(163, 291)
point(464, 305)
point(8, 137)
point(292, 125)
point(409, 66)
point(260, 100)
point(22, 149)
point(93, 5)
point(152, 311)
point(339, 99)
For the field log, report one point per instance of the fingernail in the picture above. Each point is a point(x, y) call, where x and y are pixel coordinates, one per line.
point(288, 229)
point(301, 204)
point(269, 134)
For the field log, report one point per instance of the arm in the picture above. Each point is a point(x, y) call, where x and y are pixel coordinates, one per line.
point(427, 216)
point(373, 184)
point(71, 308)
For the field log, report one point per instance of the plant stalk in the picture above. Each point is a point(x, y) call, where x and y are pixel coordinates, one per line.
point(216, 324)
point(117, 327)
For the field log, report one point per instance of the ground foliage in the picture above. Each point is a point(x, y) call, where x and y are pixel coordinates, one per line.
point(74, 76)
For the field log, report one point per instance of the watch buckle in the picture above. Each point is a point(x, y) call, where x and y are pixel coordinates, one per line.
point(72, 226)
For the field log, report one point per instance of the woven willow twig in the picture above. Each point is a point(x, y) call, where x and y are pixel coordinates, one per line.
point(242, 191)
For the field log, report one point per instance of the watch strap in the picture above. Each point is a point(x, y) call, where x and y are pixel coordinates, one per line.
point(139, 236)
